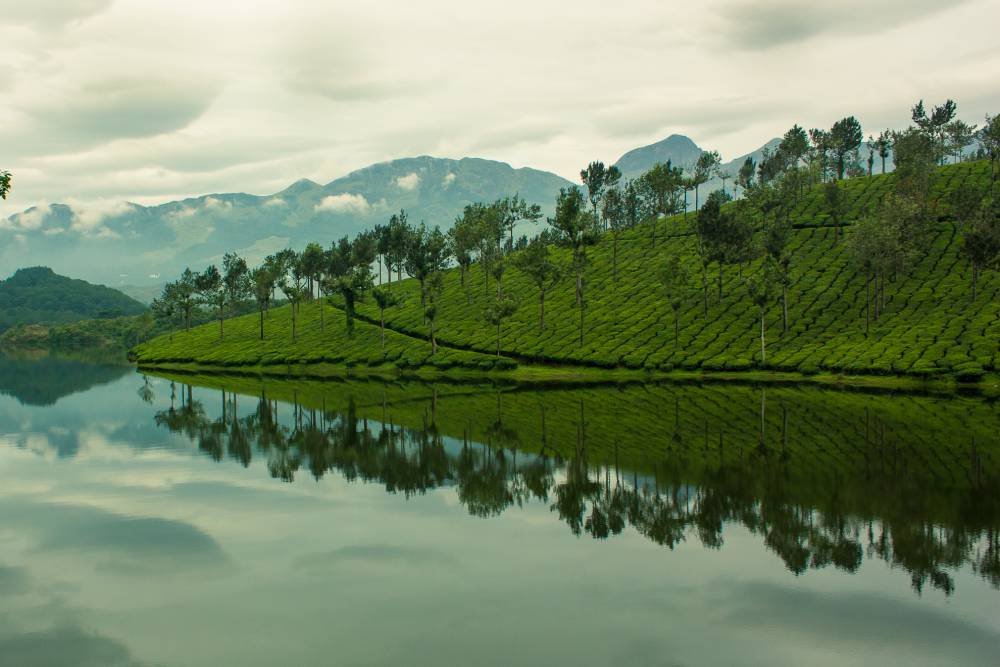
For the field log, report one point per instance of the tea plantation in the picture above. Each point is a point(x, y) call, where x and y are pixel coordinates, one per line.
point(930, 326)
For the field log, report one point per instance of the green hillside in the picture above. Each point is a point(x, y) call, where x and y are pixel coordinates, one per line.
point(930, 325)
point(38, 295)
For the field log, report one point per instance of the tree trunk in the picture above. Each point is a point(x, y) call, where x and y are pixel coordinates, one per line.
point(763, 358)
point(696, 206)
point(579, 288)
point(261, 311)
point(293, 322)
point(434, 345)
point(541, 311)
point(868, 302)
point(883, 166)
point(784, 308)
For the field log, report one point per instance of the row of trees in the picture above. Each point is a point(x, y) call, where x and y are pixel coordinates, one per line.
point(752, 230)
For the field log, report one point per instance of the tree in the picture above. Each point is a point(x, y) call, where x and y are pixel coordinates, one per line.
point(744, 177)
point(184, 292)
point(498, 311)
point(989, 137)
point(724, 235)
point(348, 273)
point(883, 146)
point(836, 206)
point(776, 235)
point(613, 212)
point(292, 281)
point(513, 210)
point(871, 246)
point(434, 284)
point(464, 240)
point(844, 139)
point(793, 147)
point(674, 277)
point(706, 165)
point(235, 279)
point(959, 135)
point(397, 243)
point(760, 288)
point(535, 262)
point(597, 179)
point(981, 240)
point(578, 228)
point(212, 291)
point(262, 281)
point(427, 253)
point(5, 179)
point(818, 161)
point(915, 159)
point(313, 260)
point(934, 125)
point(384, 299)
point(659, 187)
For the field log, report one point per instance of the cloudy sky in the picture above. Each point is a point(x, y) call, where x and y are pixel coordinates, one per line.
point(148, 100)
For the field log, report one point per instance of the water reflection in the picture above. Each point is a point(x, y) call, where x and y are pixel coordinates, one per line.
point(40, 377)
point(824, 479)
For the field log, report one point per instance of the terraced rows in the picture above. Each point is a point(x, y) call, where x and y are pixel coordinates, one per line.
point(930, 326)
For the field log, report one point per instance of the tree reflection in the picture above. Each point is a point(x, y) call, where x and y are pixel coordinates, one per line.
point(697, 486)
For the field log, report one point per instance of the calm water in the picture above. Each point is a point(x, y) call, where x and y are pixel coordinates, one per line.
point(152, 522)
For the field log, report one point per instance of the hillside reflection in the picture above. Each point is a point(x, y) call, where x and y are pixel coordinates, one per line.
point(685, 467)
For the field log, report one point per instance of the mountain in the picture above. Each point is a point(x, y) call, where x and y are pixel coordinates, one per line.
point(137, 247)
point(40, 296)
point(683, 152)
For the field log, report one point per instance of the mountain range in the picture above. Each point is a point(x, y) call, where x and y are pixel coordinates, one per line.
point(136, 248)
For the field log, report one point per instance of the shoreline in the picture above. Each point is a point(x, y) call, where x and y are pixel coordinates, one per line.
point(572, 375)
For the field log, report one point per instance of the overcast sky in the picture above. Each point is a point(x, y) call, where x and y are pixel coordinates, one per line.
point(148, 100)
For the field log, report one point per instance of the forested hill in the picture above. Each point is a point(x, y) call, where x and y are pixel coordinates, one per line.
point(38, 295)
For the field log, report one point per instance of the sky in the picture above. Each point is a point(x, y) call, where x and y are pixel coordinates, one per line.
point(150, 101)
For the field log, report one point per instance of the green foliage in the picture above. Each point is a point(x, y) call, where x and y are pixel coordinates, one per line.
point(40, 296)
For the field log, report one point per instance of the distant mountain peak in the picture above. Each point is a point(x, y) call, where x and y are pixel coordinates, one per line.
point(680, 150)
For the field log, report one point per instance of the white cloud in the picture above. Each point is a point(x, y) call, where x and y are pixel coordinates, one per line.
point(408, 182)
point(275, 201)
point(30, 220)
point(215, 204)
point(344, 203)
point(449, 178)
point(88, 216)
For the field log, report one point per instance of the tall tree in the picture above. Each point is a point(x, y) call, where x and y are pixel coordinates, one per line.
point(212, 292)
point(579, 229)
point(536, 263)
point(777, 231)
point(498, 311)
point(674, 278)
point(836, 206)
point(615, 217)
point(514, 210)
point(427, 253)
point(185, 294)
point(597, 179)
point(398, 240)
point(980, 239)
point(313, 260)
point(262, 281)
point(818, 155)
point(464, 239)
point(959, 135)
point(793, 147)
point(744, 178)
point(384, 299)
point(934, 125)
point(883, 146)
point(235, 278)
point(660, 187)
point(5, 180)
point(845, 138)
point(292, 282)
point(706, 165)
point(760, 288)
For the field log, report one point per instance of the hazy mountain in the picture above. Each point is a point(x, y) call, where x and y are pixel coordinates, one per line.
point(682, 152)
point(135, 246)
point(39, 296)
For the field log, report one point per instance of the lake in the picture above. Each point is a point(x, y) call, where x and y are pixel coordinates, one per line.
point(195, 520)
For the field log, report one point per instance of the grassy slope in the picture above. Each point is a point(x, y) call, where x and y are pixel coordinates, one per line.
point(930, 327)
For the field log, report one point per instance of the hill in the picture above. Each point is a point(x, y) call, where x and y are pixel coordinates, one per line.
point(40, 296)
point(930, 325)
point(132, 246)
